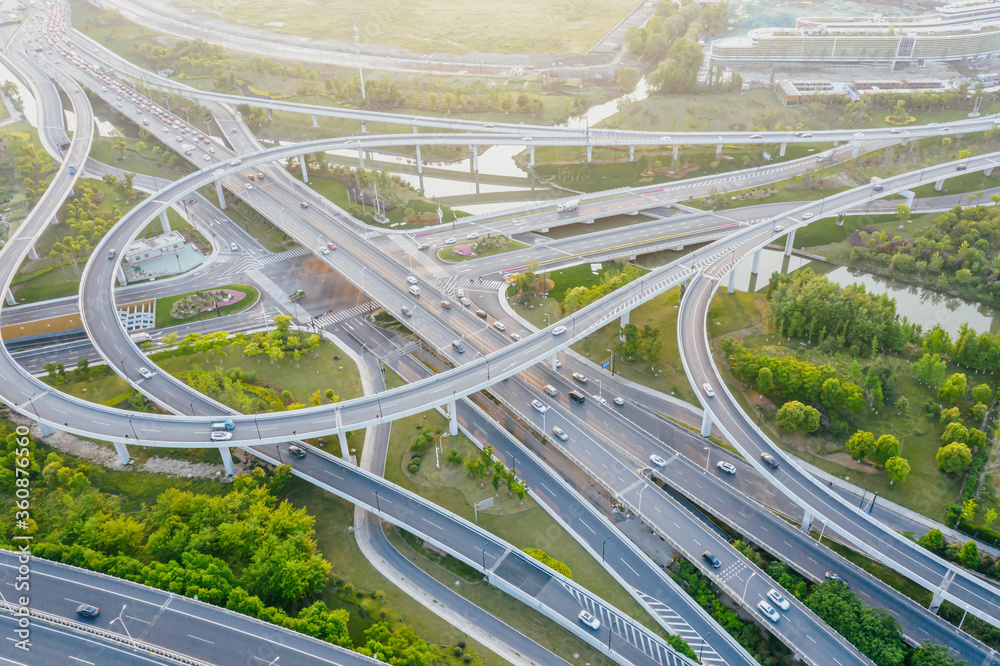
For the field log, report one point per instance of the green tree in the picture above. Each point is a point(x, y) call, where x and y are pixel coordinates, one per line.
point(933, 540)
point(861, 445)
point(934, 655)
point(953, 457)
point(968, 510)
point(950, 415)
point(953, 389)
point(794, 416)
point(628, 79)
point(955, 432)
point(765, 380)
point(886, 447)
point(968, 555)
point(982, 393)
point(897, 468)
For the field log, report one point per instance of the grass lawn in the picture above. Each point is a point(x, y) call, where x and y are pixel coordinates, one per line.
point(425, 27)
point(963, 182)
point(139, 162)
point(163, 305)
point(496, 245)
point(525, 526)
point(927, 490)
point(825, 238)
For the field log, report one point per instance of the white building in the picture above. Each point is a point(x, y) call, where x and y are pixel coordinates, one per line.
point(144, 249)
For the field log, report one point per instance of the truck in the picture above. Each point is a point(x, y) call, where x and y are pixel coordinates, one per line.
point(567, 206)
point(296, 295)
point(228, 424)
point(72, 169)
point(139, 338)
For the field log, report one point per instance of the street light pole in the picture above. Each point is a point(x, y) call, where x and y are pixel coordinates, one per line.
point(361, 72)
point(752, 574)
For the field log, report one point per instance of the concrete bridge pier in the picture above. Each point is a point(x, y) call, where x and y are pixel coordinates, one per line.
point(32, 254)
point(706, 423)
point(789, 243)
point(590, 152)
point(315, 126)
point(364, 128)
point(122, 453)
point(910, 196)
point(164, 222)
point(46, 429)
point(475, 158)
point(420, 162)
point(453, 418)
point(631, 153)
point(756, 262)
point(989, 172)
point(553, 361)
point(938, 185)
point(120, 274)
point(718, 148)
point(857, 148)
point(9, 297)
point(531, 156)
point(806, 523)
point(361, 157)
point(621, 335)
point(781, 153)
point(345, 450)
point(227, 458)
point(218, 193)
point(732, 281)
point(305, 171)
point(677, 151)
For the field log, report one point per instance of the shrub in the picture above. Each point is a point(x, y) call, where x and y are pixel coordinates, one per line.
point(413, 468)
point(549, 561)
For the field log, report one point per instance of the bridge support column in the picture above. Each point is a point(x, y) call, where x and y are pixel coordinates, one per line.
point(807, 519)
point(732, 281)
point(164, 222)
point(218, 193)
point(453, 418)
point(9, 297)
point(475, 158)
point(315, 122)
point(420, 162)
point(531, 156)
point(120, 274)
point(936, 600)
point(718, 149)
point(706, 423)
point(122, 453)
point(631, 153)
point(781, 153)
point(938, 185)
point(989, 172)
point(46, 429)
point(32, 254)
point(345, 450)
point(677, 151)
point(756, 262)
point(856, 150)
point(621, 335)
point(361, 157)
point(590, 152)
point(305, 171)
point(227, 458)
point(553, 361)
point(789, 243)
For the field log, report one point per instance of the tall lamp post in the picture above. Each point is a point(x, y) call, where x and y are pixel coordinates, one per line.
point(361, 72)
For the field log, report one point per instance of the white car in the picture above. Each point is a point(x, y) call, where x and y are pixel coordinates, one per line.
point(619, 401)
point(768, 611)
point(560, 433)
point(778, 599)
point(500, 326)
point(449, 241)
point(709, 391)
point(221, 436)
point(460, 293)
point(657, 460)
point(895, 130)
point(601, 399)
point(234, 247)
point(207, 158)
point(589, 620)
point(325, 250)
point(248, 186)
point(807, 216)
point(236, 161)
point(411, 279)
point(580, 377)
point(472, 236)
point(558, 330)
point(515, 337)
point(146, 373)
point(539, 406)
point(466, 302)
point(726, 467)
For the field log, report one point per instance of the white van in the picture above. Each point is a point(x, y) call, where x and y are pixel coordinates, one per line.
point(550, 390)
point(414, 291)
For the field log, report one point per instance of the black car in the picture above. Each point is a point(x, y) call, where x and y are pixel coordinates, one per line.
point(711, 559)
point(577, 396)
point(88, 611)
point(297, 451)
point(769, 460)
point(836, 578)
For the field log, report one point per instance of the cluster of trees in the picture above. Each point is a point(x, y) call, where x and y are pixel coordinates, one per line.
point(806, 304)
point(23, 167)
point(549, 561)
point(960, 252)
point(87, 221)
point(246, 550)
point(670, 42)
point(617, 276)
point(883, 452)
point(481, 464)
point(642, 342)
